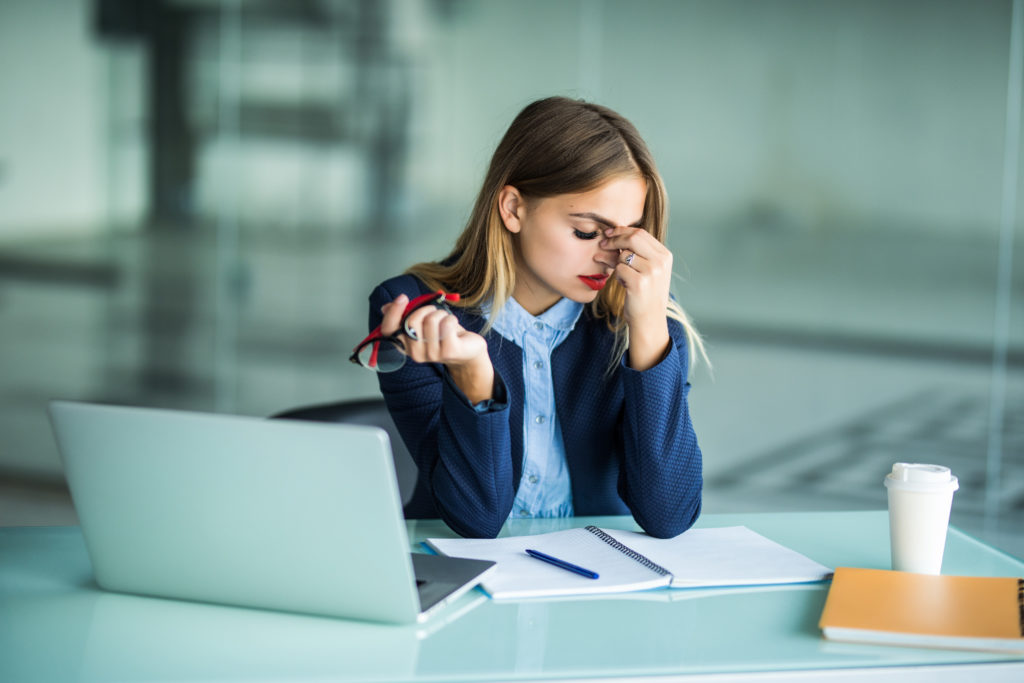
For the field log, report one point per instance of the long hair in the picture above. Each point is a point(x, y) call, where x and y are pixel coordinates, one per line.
point(554, 146)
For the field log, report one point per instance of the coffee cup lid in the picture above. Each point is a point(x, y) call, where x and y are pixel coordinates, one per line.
point(921, 477)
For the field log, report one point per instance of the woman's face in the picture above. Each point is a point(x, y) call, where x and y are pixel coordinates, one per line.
point(557, 239)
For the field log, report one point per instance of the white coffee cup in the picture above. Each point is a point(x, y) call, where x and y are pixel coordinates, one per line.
point(920, 498)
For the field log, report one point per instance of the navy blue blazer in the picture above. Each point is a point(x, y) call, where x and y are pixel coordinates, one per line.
point(629, 442)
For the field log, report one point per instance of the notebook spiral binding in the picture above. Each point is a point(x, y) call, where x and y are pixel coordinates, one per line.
point(629, 552)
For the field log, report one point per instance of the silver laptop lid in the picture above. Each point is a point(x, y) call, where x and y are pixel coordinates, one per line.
point(266, 513)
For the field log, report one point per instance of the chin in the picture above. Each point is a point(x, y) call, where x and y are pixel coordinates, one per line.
point(584, 297)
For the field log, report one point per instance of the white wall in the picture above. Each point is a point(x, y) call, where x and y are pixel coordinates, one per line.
point(834, 115)
point(862, 113)
point(52, 120)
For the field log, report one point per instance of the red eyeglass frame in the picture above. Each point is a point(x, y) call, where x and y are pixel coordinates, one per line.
point(431, 298)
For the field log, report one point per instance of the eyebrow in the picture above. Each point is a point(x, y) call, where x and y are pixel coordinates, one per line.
point(602, 220)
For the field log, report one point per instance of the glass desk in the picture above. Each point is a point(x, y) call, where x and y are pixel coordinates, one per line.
point(56, 625)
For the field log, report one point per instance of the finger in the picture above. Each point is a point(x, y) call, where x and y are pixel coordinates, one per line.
point(636, 240)
point(420, 328)
point(432, 334)
point(631, 259)
point(430, 325)
point(440, 339)
point(627, 276)
point(642, 292)
point(414, 320)
point(619, 237)
point(413, 326)
point(448, 329)
point(449, 339)
point(641, 244)
point(393, 314)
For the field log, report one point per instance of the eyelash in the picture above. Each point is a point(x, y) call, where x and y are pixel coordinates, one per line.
point(585, 235)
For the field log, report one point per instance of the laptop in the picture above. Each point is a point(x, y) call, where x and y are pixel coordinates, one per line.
point(277, 514)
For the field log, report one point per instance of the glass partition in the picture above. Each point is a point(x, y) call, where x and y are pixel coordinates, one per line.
point(842, 177)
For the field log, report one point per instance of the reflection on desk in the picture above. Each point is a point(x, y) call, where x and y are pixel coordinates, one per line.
point(55, 624)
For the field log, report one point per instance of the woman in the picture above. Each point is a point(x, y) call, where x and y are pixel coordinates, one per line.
point(557, 385)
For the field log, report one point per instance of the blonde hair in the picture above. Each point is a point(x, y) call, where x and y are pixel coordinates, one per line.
point(554, 146)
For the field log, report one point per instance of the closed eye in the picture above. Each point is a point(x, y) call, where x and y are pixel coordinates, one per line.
point(585, 235)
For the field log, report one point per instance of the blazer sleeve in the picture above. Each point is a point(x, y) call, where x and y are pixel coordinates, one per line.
point(462, 453)
point(661, 479)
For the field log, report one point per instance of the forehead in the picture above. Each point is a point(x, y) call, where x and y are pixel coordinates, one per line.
point(619, 200)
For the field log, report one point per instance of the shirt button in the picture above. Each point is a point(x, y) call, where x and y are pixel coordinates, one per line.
point(540, 419)
point(538, 364)
point(538, 325)
point(534, 479)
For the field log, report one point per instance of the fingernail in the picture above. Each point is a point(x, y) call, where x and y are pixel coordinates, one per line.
point(609, 231)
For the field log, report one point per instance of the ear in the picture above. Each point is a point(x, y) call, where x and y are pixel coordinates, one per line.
point(510, 208)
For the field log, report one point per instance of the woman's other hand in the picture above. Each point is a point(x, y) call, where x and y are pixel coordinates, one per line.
point(434, 335)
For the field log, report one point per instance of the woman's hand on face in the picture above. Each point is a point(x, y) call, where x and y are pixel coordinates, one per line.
point(433, 335)
point(644, 267)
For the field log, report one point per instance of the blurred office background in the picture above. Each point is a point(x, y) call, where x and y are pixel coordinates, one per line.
point(196, 198)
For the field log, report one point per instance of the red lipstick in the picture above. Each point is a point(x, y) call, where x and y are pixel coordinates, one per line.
point(595, 282)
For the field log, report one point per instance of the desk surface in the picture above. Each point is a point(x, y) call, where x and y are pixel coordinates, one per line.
point(56, 625)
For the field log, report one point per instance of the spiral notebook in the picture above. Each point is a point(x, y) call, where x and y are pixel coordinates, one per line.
point(631, 561)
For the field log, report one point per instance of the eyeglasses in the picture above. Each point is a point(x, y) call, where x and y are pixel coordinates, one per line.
point(387, 353)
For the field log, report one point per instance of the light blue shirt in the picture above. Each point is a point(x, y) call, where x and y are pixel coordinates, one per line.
point(545, 489)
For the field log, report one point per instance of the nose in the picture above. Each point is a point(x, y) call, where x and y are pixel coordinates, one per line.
point(604, 257)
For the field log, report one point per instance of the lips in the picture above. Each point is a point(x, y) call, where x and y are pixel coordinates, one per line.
point(595, 282)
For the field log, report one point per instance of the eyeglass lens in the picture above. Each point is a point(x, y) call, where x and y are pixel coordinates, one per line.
point(381, 355)
point(388, 354)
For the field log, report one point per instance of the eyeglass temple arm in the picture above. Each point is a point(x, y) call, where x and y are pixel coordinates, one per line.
point(439, 295)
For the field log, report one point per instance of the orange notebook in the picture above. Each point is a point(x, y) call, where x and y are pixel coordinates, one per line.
point(899, 608)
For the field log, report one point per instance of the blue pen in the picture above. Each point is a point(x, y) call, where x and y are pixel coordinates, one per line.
point(561, 563)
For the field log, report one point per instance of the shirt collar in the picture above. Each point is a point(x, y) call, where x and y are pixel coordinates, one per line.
point(513, 321)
